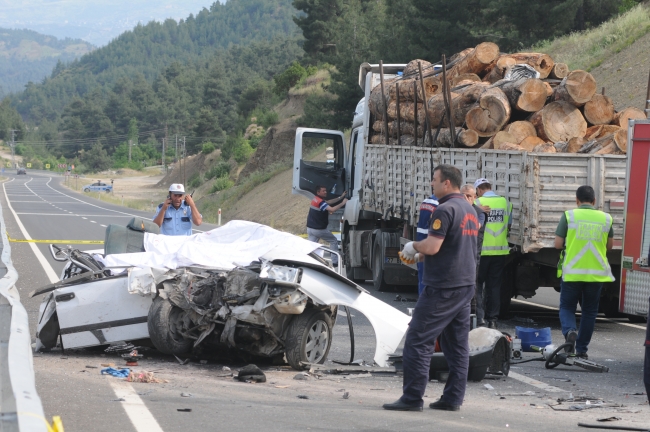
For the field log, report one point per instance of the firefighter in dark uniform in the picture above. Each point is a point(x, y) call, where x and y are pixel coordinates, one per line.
point(443, 309)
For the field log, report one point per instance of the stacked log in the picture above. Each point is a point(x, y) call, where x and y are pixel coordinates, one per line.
point(558, 111)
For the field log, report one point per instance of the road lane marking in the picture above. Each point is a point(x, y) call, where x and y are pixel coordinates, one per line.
point(535, 383)
point(83, 217)
point(49, 271)
point(136, 410)
point(102, 225)
point(93, 222)
point(598, 318)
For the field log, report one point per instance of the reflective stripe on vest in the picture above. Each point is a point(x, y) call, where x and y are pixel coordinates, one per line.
point(586, 242)
point(495, 240)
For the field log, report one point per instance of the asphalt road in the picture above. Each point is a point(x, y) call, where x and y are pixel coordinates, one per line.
point(70, 385)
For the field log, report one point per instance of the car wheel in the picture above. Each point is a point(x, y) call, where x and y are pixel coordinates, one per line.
point(309, 338)
point(107, 191)
point(86, 189)
point(49, 333)
point(166, 323)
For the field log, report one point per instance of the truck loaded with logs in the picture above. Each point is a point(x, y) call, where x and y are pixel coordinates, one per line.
point(534, 128)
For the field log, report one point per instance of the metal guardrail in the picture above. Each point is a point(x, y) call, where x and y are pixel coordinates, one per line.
point(20, 406)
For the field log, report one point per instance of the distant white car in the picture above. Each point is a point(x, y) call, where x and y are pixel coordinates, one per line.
point(98, 187)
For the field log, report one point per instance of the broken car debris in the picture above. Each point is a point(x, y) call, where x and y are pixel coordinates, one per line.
point(242, 288)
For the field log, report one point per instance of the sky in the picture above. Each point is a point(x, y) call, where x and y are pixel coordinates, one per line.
point(95, 21)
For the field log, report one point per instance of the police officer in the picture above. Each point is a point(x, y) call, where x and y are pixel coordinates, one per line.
point(443, 309)
point(586, 235)
point(495, 249)
point(176, 215)
point(427, 208)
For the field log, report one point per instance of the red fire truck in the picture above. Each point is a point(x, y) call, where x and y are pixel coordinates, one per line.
point(635, 268)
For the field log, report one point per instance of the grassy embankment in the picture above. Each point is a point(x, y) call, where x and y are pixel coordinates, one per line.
point(587, 50)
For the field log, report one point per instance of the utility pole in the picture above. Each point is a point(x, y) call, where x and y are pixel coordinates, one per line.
point(130, 144)
point(13, 146)
point(176, 152)
point(163, 155)
point(184, 155)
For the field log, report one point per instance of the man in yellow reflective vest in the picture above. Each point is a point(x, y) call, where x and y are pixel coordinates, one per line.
point(494, 252)
point(586, 235)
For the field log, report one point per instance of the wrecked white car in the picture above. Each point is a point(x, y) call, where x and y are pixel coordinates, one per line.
point(242, 288)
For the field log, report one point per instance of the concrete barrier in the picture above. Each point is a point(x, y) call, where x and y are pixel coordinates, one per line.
point(20, 407)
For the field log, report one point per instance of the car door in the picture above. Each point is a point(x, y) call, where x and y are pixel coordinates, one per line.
point(319, 160)
point(101, 312)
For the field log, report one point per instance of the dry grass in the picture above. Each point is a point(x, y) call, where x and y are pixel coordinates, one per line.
point(313, 84)
point(587, 50)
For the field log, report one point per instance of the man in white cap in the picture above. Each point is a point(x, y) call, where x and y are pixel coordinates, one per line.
point(176, 215)
point(494, 252)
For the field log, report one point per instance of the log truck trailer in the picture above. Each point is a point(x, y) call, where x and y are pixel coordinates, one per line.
point(386, 183)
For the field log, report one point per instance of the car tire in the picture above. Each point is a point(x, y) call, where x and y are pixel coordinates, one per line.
point(107, 191)
point(162, 322)
point(49, 333)
point(309, 338)
point(86, 189)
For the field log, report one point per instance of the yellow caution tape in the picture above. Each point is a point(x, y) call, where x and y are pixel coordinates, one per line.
point(305, 235)
point(55, 241)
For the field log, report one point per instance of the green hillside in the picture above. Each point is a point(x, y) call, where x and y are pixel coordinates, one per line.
point(148, 49)
point(26, 56)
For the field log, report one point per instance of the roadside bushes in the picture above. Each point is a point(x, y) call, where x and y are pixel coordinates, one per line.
point(222, 169)
point(221, 183)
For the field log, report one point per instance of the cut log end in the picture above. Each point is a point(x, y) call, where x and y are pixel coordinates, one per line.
point(599, 110)
point(622, 118)
point(559, 121)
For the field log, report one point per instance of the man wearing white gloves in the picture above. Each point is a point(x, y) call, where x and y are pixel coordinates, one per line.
point(443, 308)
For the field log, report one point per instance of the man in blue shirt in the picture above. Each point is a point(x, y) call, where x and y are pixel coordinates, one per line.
point(175, 216)
point(427, 208)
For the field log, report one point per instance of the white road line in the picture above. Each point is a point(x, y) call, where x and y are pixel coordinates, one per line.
point(136, 410)
point(102, 225)
point(93, 222)
point(83, 217)
point(49, 271)
point(598, 319)
point(140, 416)
point(536, 383)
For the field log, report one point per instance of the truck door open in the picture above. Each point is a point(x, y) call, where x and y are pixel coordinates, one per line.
point(319, 159)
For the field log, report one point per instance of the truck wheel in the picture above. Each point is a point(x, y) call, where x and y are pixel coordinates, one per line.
point(507, 289)
point(378, 270)
point(637, 319)
point(349, 270)
point(609, 307)
point(165, 323)
point(309, 338)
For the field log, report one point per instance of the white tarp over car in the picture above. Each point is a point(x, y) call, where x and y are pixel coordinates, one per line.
point(236, 243)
